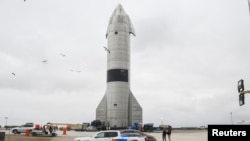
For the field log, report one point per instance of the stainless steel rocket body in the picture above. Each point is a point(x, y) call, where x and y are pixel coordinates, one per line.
point(116, 108)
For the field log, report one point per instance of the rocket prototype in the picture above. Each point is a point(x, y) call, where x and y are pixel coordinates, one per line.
point(119, 108)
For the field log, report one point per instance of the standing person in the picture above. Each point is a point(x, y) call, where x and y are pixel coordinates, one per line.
point(169, 132)
point(51, 129)
point(164, 133)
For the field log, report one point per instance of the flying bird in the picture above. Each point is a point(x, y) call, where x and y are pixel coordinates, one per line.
point(45, 61)
point(63, 54)
point(107, 49)
point(13, 73)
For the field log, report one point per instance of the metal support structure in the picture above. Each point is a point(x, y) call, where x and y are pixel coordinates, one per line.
point(6, 120)
point(245, 92)
point(242, 92)
point(242, 97)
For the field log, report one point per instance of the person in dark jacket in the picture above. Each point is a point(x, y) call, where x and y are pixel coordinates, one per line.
point(164, 134)
point(169, 132)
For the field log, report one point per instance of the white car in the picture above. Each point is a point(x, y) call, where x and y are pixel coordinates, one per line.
point(23, 128)
point(91, 128)
point(112, 135)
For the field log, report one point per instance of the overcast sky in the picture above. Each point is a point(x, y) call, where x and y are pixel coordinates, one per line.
point(186, 60)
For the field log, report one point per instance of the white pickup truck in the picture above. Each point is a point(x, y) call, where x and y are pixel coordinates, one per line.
point(112, 135)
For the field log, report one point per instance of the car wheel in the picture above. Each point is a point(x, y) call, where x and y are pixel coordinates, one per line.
point(14, 132)
point(53, 134)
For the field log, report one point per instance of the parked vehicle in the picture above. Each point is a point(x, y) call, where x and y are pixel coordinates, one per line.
point(23, 128)
point(147, 136)
point(112, 135)
point(148, 127)
point(92, 128)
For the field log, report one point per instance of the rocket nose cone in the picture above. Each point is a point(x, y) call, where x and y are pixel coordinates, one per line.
point(119, 16)
point(119, 10)
point(119, 6)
